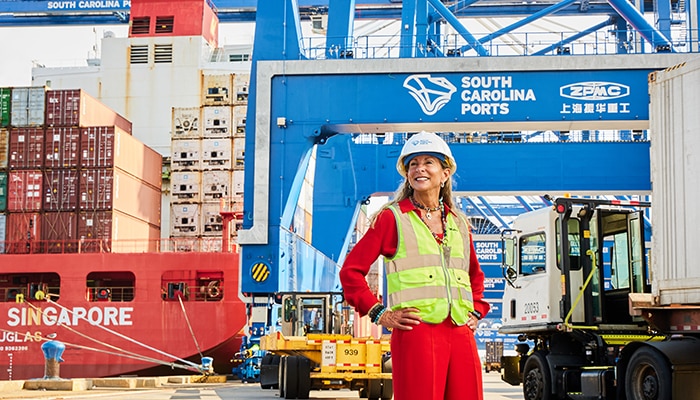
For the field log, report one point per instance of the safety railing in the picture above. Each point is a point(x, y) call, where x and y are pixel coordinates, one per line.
point(167, 245)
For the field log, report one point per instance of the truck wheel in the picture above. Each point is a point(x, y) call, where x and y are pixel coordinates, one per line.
point(374, 389)
point(280, 379)
point(387, 389)
point(304, 377)
point(648, 376)
point(291, 378)
point(537, 382)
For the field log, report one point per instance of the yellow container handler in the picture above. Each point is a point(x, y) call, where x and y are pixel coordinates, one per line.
point(317, 361)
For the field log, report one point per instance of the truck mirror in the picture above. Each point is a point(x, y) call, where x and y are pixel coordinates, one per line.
point(509, 271)
point(289, 310)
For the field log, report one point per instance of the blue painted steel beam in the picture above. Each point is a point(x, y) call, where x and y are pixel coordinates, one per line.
point(457, 25)
point(340, 29)
point(574, 37)
point(637, 20)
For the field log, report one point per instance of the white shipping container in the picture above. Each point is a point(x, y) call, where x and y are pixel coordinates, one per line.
point(216, 185)
point(185, 220)
point(216, 154)
point(217, 122)
point(217, 89)
point(186, 186)
point(241, 83)
point(212, 222)
point(238, 182)
point(186, 155)
point(675, 173)
point(27, 107)
point(186, 123)
point(238, 153)
point(239, 118)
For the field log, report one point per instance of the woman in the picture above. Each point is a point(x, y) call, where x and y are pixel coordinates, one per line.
point(434, 282)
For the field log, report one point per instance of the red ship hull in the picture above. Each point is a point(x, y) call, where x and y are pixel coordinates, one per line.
point(102, 304)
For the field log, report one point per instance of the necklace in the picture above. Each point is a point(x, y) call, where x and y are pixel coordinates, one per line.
point(427, 210)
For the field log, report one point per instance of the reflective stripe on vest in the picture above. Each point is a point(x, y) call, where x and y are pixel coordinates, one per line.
point(431, 277)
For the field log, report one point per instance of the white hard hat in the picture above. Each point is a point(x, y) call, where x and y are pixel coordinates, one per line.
point(426, 143)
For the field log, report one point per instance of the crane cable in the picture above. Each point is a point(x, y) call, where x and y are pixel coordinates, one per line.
point(126, 354)
point(48, 300)
point(190, 326)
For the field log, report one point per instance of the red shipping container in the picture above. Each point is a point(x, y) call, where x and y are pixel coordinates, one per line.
point(75, 107)
point(98, 229)
point(114, 189)
point(62, 147)
point(23, 233)
point(24, 190)
point(26, 148)
point(61, 189)
point(107, 147)
point(58, 232)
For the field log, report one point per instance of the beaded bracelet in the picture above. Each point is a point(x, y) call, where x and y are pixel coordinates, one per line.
point(379, 316)
point(375, 311)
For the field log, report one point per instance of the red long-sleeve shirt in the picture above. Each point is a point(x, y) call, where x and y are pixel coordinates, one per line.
point(382, 239)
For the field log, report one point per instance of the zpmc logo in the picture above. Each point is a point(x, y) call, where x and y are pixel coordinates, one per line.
point(431, 93)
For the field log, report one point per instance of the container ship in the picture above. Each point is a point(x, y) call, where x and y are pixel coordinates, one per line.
point(120, 190)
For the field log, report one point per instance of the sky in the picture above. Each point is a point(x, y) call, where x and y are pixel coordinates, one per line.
point(70, 46)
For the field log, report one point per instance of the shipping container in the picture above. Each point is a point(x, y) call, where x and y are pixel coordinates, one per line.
point(186, 186)
point(76, 108)
point(239, 118)
point(216, 185)
point(3, 231)
point(27, 106)
point(675, 174)
point(216, 154)
point(241, 82)
point(26, 148)
point(23, 233)
point(217, 89)
point(238, 153)
point(5, 104)
point(113, 189)
point(4, 147)
point(212, 222)
point(59, 232)
point(62, 147)
point(186, 155)
point(114, 231)
point(3, 191)
point(186, 123)
point(107, 146)
point(238, 182)
point(217, 122)
point(24, 190)
point(61, 189)
point(185, 220)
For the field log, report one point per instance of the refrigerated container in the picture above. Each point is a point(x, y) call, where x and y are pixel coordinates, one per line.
point(239, 120)
point(76, 108)
point(217, 122)
point(27, 106)
point(62, 147)
point(216, 185)
point(241, 82)
point(185, 220)
point(216, 89)
point(186, 155)
point(238, 153)
point(216, 154)
point(60, 189)
point(186, 186)
point(24, 190)
point(212, 222)
point(186, 123)
point(26, 150)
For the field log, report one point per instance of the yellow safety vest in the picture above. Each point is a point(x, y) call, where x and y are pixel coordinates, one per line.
point(431, 277)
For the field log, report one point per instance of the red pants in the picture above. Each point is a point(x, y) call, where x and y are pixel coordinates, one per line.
point(436, 362)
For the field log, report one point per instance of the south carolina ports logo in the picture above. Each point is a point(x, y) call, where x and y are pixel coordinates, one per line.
point(431, 93)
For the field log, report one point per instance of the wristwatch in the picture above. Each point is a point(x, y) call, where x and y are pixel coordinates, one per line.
point(476, 314)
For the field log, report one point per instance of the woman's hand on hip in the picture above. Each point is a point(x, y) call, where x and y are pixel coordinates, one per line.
point(404, 319)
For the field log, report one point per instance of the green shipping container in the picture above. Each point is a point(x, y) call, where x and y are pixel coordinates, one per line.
point(3, 191)
point(5, 96)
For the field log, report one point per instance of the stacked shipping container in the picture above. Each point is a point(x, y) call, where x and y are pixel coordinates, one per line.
point(208, 158)
point(73, 178)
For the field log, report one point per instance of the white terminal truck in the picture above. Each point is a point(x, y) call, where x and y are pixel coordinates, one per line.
point(609, 317)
